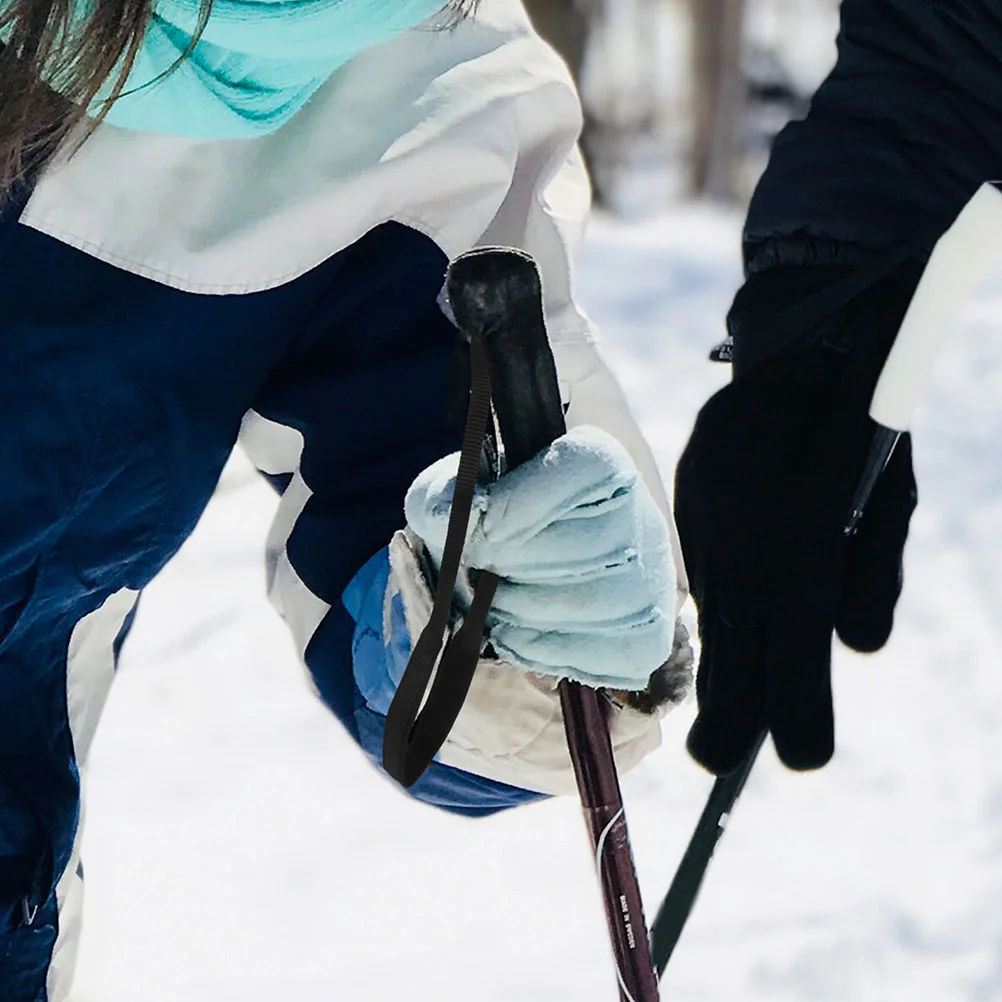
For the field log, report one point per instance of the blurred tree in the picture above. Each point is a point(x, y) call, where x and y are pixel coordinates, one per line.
point(565, 24)
point(718, 97)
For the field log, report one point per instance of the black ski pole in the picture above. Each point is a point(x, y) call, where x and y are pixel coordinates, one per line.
point(958, 262)
point(678, 903)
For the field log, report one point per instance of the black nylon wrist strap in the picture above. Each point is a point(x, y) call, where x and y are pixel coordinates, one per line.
point(414, 734)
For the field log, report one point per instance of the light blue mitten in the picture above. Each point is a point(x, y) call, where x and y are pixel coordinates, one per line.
point(588, 579)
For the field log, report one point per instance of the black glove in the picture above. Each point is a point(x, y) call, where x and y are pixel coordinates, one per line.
point(762, 495)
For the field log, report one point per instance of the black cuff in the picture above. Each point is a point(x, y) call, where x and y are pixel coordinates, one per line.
point(794, 307)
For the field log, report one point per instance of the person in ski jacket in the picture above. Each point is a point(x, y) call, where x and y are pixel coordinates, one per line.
point(251, 244)
point(897, 140)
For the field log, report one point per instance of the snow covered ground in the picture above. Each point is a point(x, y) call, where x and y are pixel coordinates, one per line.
point(239, 847)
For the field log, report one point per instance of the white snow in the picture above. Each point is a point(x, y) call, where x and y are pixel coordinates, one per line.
point(240, 848)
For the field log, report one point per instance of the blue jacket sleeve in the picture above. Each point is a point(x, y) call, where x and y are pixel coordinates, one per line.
point(381, 647)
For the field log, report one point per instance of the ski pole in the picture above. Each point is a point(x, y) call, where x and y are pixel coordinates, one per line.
point(958, 262)
point(496, 293)
point(674, 911)
point(496, 299)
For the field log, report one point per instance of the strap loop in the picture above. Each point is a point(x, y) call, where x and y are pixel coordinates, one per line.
point(415, 733)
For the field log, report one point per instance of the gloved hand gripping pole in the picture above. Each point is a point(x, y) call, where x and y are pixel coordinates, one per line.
point(496, 299)
point(958, 263)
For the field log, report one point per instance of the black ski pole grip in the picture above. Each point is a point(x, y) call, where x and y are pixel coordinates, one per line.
point(495, 294)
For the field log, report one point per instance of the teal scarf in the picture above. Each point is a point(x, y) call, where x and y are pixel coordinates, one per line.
point(257, 63)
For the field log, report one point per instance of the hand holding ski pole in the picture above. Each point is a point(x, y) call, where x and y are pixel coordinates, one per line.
point(763, 491)
point(957, 264)
point(563, 496)
point(583, 553)
point(498, 292)
point(768, 478)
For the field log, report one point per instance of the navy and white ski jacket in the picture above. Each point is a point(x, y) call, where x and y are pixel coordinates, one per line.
point(163, 297)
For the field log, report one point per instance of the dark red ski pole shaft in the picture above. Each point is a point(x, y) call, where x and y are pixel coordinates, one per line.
point(598, 786)
point(496, 293)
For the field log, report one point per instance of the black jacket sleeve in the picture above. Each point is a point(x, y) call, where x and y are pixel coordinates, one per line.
point(901, 134)
point(898, 138)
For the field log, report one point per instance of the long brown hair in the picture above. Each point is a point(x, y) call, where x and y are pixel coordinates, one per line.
point(54, 64)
